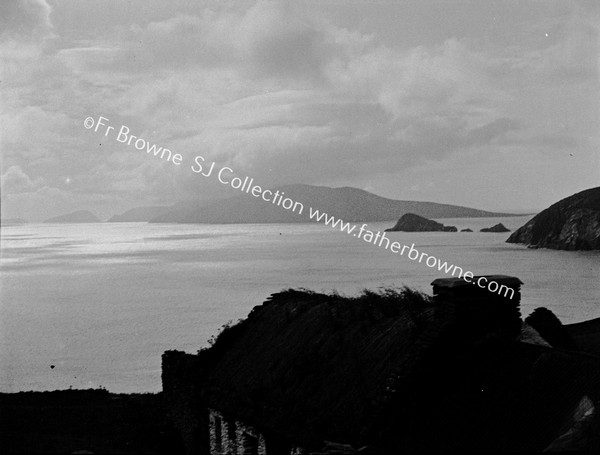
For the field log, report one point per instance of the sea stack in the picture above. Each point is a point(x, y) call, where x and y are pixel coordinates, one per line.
point(410, 222)
point(496, 228)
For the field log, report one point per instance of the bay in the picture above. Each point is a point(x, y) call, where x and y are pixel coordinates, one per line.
point(90, 305)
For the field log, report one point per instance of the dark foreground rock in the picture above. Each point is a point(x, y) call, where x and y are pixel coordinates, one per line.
point(586, 335)
point(381, 373)
point(410, 222)
point(571, 224)
point(84, 421)
point(496, 228)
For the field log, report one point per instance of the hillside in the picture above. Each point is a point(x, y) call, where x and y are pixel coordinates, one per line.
point(12, 221)
point(350, 204)
point(139, 214)
point(571, 224)
point(80, 216)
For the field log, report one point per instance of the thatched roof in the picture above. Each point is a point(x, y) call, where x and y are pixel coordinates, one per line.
point(396, 371)
point(316, 366)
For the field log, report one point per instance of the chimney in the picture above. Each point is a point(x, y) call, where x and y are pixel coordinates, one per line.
point(489, 304)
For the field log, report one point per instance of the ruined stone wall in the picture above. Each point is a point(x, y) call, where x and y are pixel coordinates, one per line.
point(184, 409)
point(206, 431)
point(231, 437)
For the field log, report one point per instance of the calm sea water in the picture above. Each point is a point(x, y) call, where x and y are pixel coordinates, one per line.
point(101, 302)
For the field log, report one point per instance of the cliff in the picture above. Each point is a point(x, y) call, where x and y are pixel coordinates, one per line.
point(80, 216)
point(415, 223)
point(571, 224)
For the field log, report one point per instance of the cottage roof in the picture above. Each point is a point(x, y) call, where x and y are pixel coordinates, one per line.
point(318, 366)
point(396, 371)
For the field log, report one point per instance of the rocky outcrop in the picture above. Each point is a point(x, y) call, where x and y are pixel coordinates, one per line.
point(586, 335)
point(496, 228)
point(466, 230)
point(571, 224)
point(415, 223)
point(551, 329)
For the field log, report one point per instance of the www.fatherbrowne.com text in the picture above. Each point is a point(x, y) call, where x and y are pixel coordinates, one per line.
point(226, 176)
point(380, 240)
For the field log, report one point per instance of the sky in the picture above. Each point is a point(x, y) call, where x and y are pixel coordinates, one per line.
point(488, 104)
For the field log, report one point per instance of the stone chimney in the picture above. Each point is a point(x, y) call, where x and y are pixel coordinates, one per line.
point(486, 308)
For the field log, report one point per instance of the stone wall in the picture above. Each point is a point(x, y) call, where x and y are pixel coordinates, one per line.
point(185, 410)
point(231, 437)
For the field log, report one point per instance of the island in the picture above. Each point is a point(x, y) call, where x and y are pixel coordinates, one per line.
point(466, 230)
point(346, 203)
point(496, 228)
point(80, 216)
point(572, 223)
point(410, 222)
point(139, 214)
point(12, 221)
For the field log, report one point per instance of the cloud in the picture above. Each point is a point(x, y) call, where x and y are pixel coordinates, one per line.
point(37, 205)
point(25, 19)
point(268, 40)
point(281, 91)
point(280, 44)
point(14, 180)
point(25, 28)
point(31, 130)
point(574, 58)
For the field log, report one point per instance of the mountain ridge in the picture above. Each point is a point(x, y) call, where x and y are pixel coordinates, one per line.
point(348, 203)
point(79, 216)
point(137, 214)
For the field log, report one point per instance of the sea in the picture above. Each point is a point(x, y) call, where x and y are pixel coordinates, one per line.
point(95, 305)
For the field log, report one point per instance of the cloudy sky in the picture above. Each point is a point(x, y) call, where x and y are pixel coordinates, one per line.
point(489, 104)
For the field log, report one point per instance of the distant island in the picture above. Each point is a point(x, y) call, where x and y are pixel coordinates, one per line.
point(139, 214)
point(570, 224)
point(410, 222)
point(347, 203)
point(80, 216)
point(12, 221)
point(496, 228)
